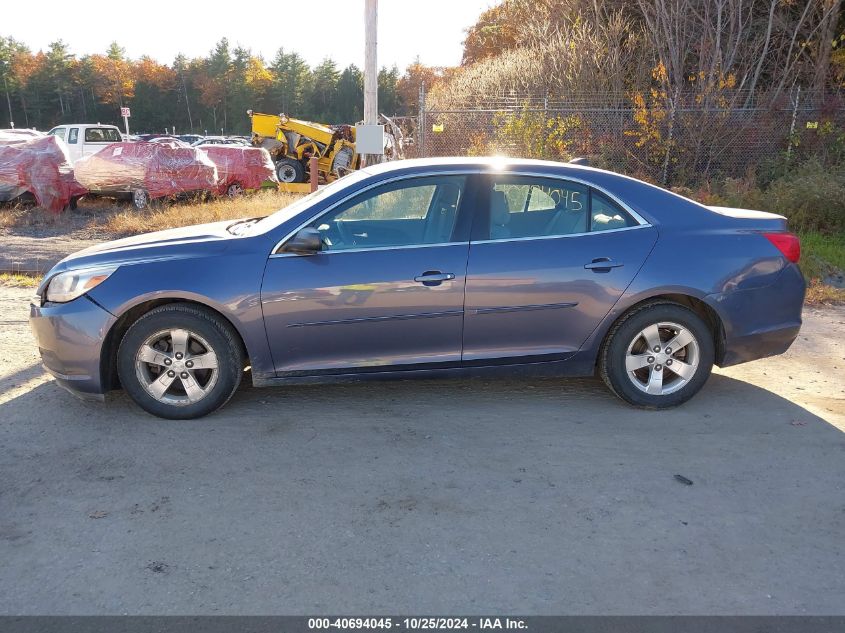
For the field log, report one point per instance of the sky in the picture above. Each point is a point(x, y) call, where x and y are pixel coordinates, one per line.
point(433, 30)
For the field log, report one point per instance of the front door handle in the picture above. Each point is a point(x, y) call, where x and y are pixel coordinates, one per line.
point(433, 278)
point(602, 265)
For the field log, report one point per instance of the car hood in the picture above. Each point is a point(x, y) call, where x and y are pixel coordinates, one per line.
point(181, 243)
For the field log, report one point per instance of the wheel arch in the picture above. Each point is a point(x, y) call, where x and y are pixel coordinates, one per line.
point(111, 342)
point(700, 307)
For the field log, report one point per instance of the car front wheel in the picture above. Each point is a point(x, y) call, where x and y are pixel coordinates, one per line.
point(180, 361)
point(658, 356)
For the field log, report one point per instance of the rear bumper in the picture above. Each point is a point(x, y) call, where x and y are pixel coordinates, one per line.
point(70, 340)
point(760, 345)
point(761, 322)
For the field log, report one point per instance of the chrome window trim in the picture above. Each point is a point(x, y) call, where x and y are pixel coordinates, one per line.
point(370, 248)
point(560, 237)
point(641, 222)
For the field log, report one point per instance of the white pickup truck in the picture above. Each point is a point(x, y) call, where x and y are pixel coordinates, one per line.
point(84, 139)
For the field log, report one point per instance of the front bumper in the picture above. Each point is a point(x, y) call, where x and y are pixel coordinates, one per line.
point(761, 322)
point(70, 340)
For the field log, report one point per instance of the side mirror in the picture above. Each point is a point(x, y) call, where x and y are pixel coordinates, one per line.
point(307, 241)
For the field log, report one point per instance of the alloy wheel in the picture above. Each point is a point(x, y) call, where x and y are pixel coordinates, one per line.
point(177, 367)
point(140, 198)
point(662, 358)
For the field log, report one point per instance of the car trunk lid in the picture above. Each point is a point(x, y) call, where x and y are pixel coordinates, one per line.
point(753, 220)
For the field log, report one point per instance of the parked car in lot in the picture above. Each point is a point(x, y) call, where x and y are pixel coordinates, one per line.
point(222, 140)
point(36, 168)
point(21, 132)
point(240, 168)
point(146, 171)
point(190, 138)
point(84, 139)
point(170, 140)
point(452, 266)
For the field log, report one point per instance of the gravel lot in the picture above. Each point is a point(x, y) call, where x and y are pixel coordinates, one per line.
point(530, 497)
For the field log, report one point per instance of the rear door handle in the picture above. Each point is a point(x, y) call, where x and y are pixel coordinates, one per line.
point(433, 278)
point(602, 264)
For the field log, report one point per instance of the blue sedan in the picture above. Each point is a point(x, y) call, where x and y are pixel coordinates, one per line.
point(440, 266)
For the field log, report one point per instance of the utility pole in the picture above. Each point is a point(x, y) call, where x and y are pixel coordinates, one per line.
point(371, 63)
point(369, 137)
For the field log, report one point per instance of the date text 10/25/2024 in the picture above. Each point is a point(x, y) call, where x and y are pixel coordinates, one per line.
point(417, 623)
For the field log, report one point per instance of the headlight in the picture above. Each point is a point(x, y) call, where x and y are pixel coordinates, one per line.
point(68, 286)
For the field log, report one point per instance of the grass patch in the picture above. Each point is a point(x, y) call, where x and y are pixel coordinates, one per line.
point(19, 216)
point(130, 221)
point(819, 294)
point(19, 280)
point(821, 254)
point(105, 218)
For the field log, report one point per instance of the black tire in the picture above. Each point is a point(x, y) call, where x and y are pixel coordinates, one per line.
point(204, 323)
point(612, 358)
point(290, 170)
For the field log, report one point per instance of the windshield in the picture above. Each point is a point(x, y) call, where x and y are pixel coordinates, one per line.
point(292, 210)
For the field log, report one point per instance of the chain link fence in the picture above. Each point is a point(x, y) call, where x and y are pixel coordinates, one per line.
point(684, 141)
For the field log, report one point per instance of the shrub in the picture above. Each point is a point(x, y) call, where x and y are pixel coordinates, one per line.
point(811, 195)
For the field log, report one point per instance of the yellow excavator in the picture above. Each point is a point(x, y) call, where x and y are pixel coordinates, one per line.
point(292, 142)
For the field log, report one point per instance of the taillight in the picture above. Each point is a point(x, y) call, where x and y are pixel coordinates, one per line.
point(786, 243)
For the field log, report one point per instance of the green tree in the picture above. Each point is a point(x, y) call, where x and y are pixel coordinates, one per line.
point(290, 78)
point(321, 93)
point(187, 103)
point(350, 95)
point(56, 81)
point(155, 95)
point(388, 97)
point(215, 84)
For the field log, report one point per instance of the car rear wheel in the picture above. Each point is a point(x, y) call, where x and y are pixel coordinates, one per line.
point(180, 362)
point(658, 355)
point(234, 190)
point(140, 199)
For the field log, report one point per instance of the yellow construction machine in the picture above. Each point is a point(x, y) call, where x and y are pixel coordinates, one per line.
point(292, 142)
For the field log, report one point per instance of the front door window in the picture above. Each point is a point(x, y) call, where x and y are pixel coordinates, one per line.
point(421, 211)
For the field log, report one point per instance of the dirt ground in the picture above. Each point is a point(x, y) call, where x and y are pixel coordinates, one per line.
point(533, 497)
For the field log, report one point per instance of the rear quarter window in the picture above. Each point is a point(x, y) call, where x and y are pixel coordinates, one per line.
point(606, 214)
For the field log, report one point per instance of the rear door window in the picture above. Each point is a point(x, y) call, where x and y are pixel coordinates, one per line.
point(102, 135)
point(527, 206)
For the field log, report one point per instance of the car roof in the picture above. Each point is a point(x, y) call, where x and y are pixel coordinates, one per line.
point(646, 200)
point(83, 125)
point(491, 163)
